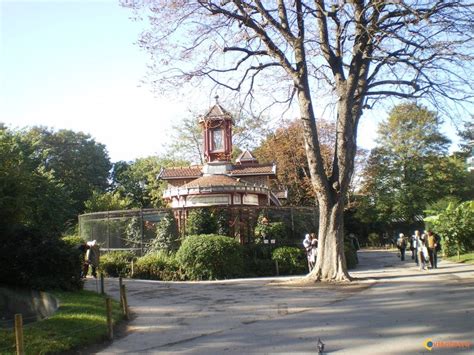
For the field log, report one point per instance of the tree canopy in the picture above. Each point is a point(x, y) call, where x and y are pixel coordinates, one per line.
point(46, 176)
point(410, 167)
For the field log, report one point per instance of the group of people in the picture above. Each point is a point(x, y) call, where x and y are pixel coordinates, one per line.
point(310, 243)
point(90, 252)
point(424, 248)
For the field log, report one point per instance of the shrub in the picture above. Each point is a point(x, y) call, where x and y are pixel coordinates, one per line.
point(210, 257)
point(116, 263)
point(291, 260)
point(374, 240)
point(158, 266)
point(455, 225)
point(351, 254)
point(167, 236)
point(259, 267)
point(200, 221)
point(40, 262)
point(73, 240)
point(258, 260)
point(270, 230)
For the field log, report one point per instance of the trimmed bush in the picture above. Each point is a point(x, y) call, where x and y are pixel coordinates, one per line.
point(291, 260)
point(211, 256)
point(73, 240)
point(157, 266)
point(116, 263)
point(33, 260)
point(258, 260)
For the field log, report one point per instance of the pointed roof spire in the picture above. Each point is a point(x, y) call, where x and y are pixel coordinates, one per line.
point(217, 99)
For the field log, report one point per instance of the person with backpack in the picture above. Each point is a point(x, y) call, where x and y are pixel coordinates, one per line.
point(402, 245)
point(433, 246)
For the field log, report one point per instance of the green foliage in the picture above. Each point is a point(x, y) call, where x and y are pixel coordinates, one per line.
point(200, 221)
point(158, 266)
point(467, 258)
point(107, 201)
point(258, 260)
point(374, 240)
point(133, 235)
point(167, 236)
point(81, 320)
point(222, 221)
point(116, 263)
point(455, 225)
point(33, 260)
point(270, 230)
point(207, 257)
point(46, 176)
point(135, 182)
point(291, 260)
point(410, 170)
point(351, 254)
point(73, 159)
point(73, 241)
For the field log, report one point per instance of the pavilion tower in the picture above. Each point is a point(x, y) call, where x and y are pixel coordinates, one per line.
point(217, 131)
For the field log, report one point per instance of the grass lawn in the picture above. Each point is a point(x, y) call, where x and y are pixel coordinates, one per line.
point(463, 258)
point(79, 321)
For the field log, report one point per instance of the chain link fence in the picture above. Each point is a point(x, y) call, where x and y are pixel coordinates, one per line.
point(135, 229)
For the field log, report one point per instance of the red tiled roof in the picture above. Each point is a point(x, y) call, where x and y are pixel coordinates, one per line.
point(181, 173)
point(213, 180)
point(237, 170)
point(258, 169)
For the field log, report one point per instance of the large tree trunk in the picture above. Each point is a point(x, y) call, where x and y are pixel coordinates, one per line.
point(330, 190)
point(330, 261)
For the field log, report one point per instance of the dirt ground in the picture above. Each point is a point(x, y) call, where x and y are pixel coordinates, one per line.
point(391, 308)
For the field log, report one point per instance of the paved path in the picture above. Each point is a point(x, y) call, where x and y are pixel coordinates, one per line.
point(392, 309)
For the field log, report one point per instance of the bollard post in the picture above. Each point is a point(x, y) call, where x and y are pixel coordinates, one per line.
point(110, 328)
point(120, 289)
point(131, 271)
point(102, 288)
point(20, 350)
point(277, 268)
point(124, 302)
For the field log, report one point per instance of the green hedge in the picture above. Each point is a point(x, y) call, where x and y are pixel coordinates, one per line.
point(116, 263)
point(158, 266)
point(291, 260)
point(210, 256)
point(351, 255)
point(41, 262)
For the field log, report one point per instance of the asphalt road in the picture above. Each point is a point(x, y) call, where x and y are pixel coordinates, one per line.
point(390, 308)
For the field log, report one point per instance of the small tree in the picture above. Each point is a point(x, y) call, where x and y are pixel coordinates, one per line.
point(167, 236)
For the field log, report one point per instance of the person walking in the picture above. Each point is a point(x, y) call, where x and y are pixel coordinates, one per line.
point(432, 242)
point(422, 251)
point(308, 249)
point(92, 258)
point(314, 249)
point(414, 247)
point(402, 245)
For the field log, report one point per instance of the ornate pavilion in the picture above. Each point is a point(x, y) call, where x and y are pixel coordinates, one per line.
point(219, 182)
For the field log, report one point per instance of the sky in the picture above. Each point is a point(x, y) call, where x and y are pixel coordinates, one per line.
point(69, 64)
